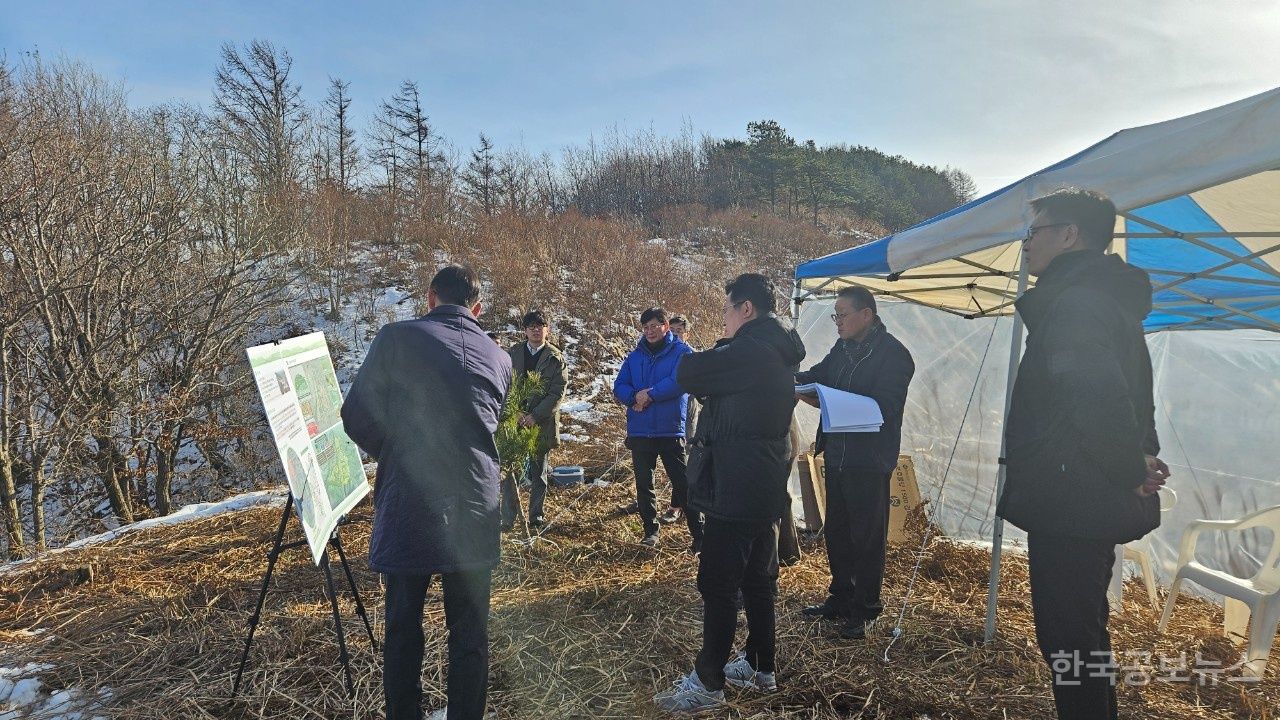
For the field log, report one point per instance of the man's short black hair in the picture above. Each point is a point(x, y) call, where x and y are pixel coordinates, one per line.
point(1089, 210)
point(859, 296)
point(679, 320)
point(755, 287)
point(456, 285)
point(534, 317)
point(653, 313)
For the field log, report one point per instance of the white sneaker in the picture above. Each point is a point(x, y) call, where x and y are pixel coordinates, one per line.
point(688, 695)
point(739, 673)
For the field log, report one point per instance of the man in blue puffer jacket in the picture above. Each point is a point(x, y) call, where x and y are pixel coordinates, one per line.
point(656, 408)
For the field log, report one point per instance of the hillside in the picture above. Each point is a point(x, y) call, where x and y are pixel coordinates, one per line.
point(587, 623)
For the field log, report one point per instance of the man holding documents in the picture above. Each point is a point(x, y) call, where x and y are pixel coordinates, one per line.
point(864, 383)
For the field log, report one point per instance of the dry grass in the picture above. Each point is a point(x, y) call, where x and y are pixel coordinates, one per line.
point(586, 624)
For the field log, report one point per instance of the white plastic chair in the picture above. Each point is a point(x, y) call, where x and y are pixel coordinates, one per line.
point(1261, 593)
point(1139, 551)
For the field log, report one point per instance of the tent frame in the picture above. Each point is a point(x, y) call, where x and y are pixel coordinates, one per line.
point(1232, 315)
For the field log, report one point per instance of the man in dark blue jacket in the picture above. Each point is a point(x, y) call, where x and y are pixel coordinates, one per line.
point(866, 360)
point(656, 407)
point(426, 404)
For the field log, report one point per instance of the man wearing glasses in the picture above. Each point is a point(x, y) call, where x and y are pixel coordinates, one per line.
point(656, 427)
point(739, 463)
point(866, 360)
point(1081, 472)
point(537, 356)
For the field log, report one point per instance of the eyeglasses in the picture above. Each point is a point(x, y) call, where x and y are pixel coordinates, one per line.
point(730, 306)
point(651, 326)
point(1031, 231)
point(837, 317)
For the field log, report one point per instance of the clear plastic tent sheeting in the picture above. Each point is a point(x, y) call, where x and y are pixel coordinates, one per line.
point(1216, 395)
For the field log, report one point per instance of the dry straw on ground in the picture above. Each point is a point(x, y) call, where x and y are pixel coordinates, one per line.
point(586, 624)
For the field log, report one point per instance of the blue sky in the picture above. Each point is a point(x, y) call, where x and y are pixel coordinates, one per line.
point(998, 88)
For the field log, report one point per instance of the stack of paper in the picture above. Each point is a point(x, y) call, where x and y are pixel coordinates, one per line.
point(844, 411)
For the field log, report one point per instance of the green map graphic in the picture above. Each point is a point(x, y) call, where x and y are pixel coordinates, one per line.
point(318, 394)
point(339, 464)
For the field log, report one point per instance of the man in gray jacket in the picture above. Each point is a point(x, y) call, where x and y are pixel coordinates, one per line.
point(426, 404)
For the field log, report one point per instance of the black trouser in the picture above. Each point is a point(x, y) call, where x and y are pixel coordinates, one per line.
point(644, 458)
point(466, 612)
point(536, 471)
point(737, 556)
point(1069, 579)
point(856, 530)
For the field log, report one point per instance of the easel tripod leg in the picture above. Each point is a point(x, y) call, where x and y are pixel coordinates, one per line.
point(337, 623)
point(355, 593)
point(272, 556)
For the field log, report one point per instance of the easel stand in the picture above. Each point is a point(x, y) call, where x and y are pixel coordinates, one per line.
point(278, 547)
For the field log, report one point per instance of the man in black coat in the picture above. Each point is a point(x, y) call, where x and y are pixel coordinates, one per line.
point(866, 360)
point(1081, 472)
point(739, 462)
point(426, 404)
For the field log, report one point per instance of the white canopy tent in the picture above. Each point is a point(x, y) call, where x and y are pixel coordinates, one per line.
point(1199, 202)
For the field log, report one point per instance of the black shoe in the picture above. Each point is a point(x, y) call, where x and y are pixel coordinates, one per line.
point(538, 522)
point(826, 611)
point(650, 540)
point(631, 509)
point(855, 629)
point(507, 526)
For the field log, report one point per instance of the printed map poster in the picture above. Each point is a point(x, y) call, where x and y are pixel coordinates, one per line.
point(303, 403)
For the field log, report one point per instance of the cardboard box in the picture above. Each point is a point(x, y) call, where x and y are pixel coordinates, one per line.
point(813, 490)
point(904, 494)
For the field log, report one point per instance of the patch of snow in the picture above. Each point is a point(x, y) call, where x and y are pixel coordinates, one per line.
point(28, 669)
point(63, 703)
point(275, 497)
point(582, 411)
point(570, 437)
point(25, 692)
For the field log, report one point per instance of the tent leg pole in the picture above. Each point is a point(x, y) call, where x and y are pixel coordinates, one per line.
point(997, 532)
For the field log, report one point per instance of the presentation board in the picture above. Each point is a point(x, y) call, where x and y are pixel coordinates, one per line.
point(300, 394)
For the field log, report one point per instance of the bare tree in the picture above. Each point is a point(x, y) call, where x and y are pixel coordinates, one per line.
point(262, 110)
point(415, 140)
point(337, 151)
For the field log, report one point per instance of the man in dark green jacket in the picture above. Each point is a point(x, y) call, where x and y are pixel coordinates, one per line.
point(1081, 472)
point(538, 356)
point(739, 463)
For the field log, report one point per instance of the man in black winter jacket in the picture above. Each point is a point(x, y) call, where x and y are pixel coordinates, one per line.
point(1081, 472)
point(866, 360)
point(739, 462)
